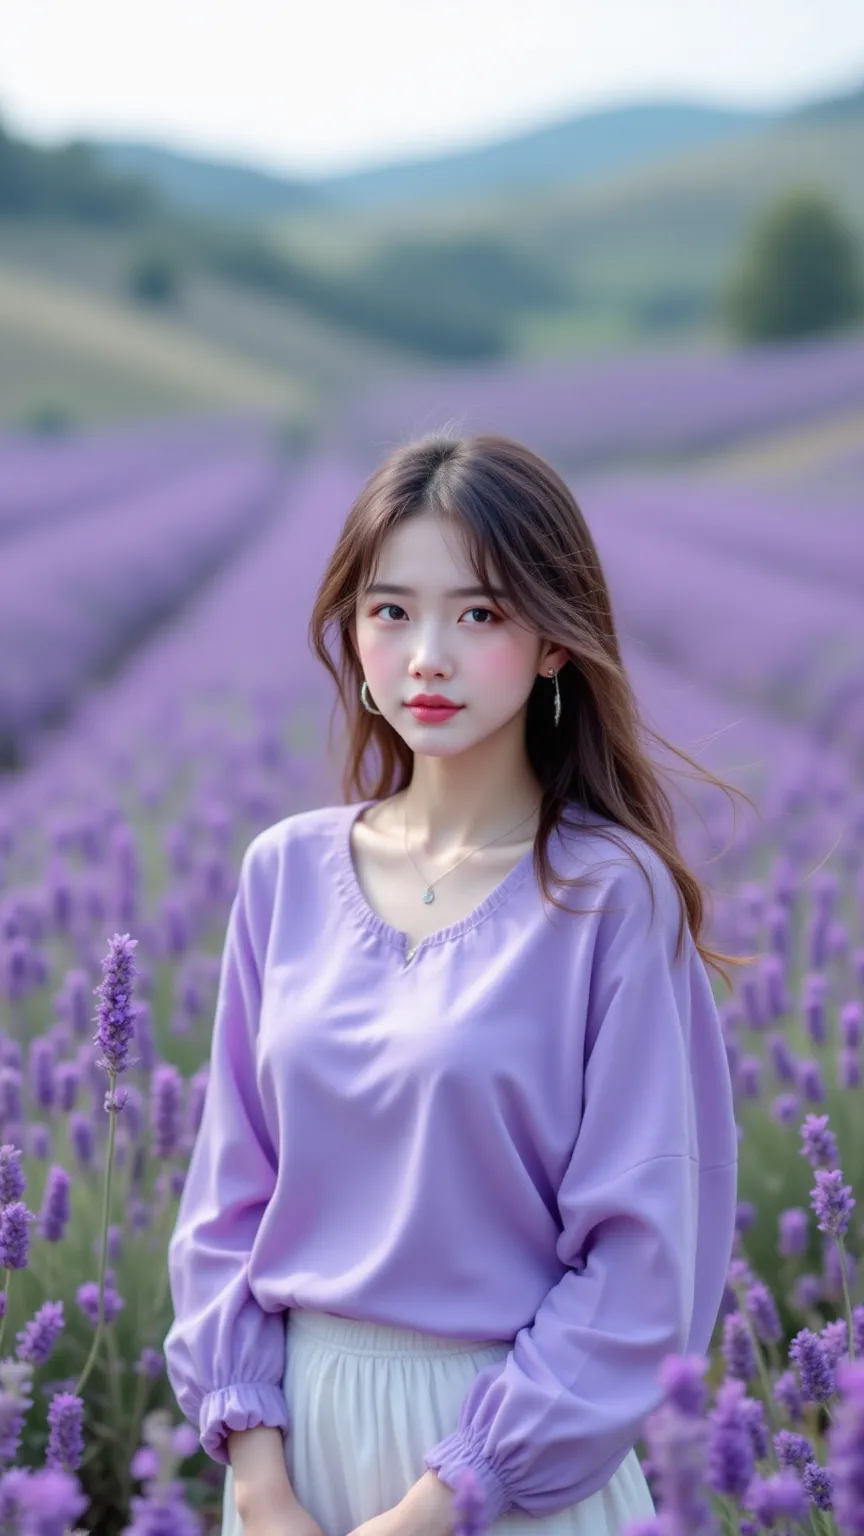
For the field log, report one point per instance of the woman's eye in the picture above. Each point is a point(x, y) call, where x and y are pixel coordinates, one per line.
point(384, 606)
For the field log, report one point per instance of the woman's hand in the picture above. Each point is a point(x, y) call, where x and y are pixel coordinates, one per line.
point(388, 1524)
point(426, 1510)
point(271, 1519)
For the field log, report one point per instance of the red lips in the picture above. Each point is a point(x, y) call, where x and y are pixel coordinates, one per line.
point(433, 701)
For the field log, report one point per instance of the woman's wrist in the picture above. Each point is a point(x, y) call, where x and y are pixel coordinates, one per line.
point(257, 1458)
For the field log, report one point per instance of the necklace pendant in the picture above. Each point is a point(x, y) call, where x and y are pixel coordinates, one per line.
point(429, 895)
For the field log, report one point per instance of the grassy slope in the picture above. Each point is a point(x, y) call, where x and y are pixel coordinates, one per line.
point(68, 334)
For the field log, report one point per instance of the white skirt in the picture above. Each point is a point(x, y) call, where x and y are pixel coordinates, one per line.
point(367, 1401)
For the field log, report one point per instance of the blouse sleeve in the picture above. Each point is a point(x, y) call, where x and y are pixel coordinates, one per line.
point(551, 1422)
point(224, 1355)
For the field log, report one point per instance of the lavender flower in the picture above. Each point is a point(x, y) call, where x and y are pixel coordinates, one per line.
point(677, 1443)
point(784, 1108)
point(87, 1297)
point(12, 1180)
point(807, 1292)
point(793, 1450)
point(15, 1400)
point(15, 1220)
point(846, 1449)
point(782, 1058)
point(818, 1484)
point(815, 1368)
point(832, 1201)
point(849, 1068)
point(815, 989)
point(166, 1110)
point(730, 1446)
point(38, 1337)
point(780, 1497)
point(738, 1351)
point(54, 1215)
point(66, 1438)
point(810, 1081)
point(820, 1143)
point(754, 1417)
point(787, 1392)
point(750, 1077)
point(762, 1309)
point(682, 1380)
point(835, 1337)
point(47, 1502)
point(115, 1014)
point(851, 1023)
point(793, 1231)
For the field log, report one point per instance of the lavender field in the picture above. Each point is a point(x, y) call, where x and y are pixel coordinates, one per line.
point(159, 699)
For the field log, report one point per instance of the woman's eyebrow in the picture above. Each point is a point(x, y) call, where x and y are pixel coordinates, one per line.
point(388, 586)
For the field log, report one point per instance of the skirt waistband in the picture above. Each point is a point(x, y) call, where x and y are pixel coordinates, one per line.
point(356, 1336)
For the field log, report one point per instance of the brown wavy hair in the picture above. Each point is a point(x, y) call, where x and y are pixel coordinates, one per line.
point(510, 506)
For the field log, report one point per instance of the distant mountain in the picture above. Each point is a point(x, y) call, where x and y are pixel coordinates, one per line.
point(200, 186)
point(579, 149)
point(576, 151)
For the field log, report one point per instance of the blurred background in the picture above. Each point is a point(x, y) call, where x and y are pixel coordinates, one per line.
point(245, 250)
point(243, 253)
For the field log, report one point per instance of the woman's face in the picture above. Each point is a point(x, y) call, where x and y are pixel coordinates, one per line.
point(433, 640)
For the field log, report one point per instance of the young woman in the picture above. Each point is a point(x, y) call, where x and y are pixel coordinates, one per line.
point(466, 1170)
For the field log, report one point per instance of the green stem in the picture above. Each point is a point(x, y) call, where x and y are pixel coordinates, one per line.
point(6, 1313)
point(841, 1249)
point(135, 1426)
point(106, 1207)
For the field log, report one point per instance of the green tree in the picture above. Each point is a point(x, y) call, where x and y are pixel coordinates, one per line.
point(154, 279)
point(800, 272)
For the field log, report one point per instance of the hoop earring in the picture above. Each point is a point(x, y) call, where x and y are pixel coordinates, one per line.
point(557, 717)
point(364, 695)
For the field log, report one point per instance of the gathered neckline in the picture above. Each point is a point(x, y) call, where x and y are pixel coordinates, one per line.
point(354, 897)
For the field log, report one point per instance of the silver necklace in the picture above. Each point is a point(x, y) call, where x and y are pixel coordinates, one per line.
point(429, 894)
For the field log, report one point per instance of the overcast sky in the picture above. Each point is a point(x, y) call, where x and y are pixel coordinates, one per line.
point(309, 86)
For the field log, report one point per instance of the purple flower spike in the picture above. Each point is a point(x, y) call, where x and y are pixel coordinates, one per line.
point(730, 1448)
point(817, 1373)
point(762, 1310)
point(55, 1211)
point(793, 1450)
point(782, 1059)
point(66, 1440)
point(819, 1142)
point(818, 1485)
point(38, 1337)
point(832, 1201)
point(682, 1378)
point(787, 1392)
point(810, 1081)
point(846, 1450)
point(785, 1108)
point(15, 1221)
point(793, 1225)
point(12, 1180)
point(815, 989)
point(774, 974)
point(780, 1497)
point(115, 1014)
point(738, 1349)
point(851, 1025)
